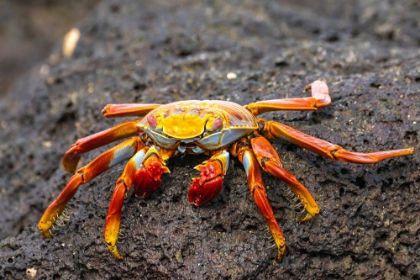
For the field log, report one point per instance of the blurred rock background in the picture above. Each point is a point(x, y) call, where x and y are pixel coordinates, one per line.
point(29, 30)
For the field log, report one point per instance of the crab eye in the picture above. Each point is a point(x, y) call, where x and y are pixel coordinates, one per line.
point(152, 121)
point(217, 123)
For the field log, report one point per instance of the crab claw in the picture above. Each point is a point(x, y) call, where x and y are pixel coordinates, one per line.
point(210, 182)
point(147, 178)
point(202, 192)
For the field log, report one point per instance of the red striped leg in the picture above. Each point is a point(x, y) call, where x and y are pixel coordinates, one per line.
point(210, 182)
point(100, 164)
point(124, 110)
point(275, 130)
point(142, 171)
point(83, 145)
point(269, 161)
point(124, 183)
point(257, 189)
point(320, 98)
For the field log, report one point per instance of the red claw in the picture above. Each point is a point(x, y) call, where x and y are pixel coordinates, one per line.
point(210, 182)
point(200, 193)
point(209, 170)
point(147, 178)
point(144, 184)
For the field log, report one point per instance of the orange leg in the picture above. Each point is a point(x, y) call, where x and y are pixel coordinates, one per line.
point(124, 110)
point(123, 185)
point(113, 219)
point(100, 164)
point(210, 182)
point(256, 185)
point(142, 171)
point(275, 130)
point(320, 98)
point(86, 144)
point(270, 162)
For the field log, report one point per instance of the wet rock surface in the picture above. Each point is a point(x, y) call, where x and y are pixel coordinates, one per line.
point(158, 53)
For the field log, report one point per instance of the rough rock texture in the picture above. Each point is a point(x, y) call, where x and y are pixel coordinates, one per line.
point(159, 52)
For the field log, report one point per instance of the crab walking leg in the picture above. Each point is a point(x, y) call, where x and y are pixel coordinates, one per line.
point(86, 144)
point(269, 161)
point(275, 130)
point(123, 185)
point(258, 192)
point(210, 182)
point(100, 164)
point(320, 98)
point(142, 171)
point(124, 110)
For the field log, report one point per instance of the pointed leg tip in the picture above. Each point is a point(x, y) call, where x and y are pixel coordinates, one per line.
point(106, 109)
point(44, 226)
point(308, 87)
point(281, 251)
point(314, 83)
point(306, 218)
point(45, 233)
point(71, 168)
point(114, 251)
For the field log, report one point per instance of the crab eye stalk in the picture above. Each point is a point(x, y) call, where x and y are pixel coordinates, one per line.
point(152, 121)
point(215, 124)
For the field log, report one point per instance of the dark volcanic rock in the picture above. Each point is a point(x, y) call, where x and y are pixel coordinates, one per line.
point(157, 52)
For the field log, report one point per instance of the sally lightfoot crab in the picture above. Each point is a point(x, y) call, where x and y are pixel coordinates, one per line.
point(216, 128)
